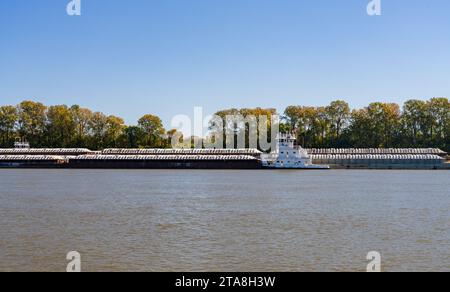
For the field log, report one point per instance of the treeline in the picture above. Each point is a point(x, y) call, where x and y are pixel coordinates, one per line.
point(380, 125)
point(63, 126)
point(416, 124)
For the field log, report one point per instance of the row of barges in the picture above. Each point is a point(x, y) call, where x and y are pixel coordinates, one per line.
point(216, 158)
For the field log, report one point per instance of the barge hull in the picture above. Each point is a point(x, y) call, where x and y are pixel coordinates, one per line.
point(169, 164)
point(31, 164)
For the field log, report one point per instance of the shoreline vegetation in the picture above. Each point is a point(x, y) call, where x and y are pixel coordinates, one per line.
point(415, 124)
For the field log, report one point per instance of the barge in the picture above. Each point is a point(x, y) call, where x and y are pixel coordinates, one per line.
point(33, 161)
point(165, 162)
point(381, 161)
point(286, 155)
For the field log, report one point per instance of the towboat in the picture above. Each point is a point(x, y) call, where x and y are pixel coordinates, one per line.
point(288, 156)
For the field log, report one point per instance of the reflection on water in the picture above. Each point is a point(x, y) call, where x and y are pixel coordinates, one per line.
point(224, 220)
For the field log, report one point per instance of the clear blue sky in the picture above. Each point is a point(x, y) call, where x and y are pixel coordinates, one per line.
point(166, 56)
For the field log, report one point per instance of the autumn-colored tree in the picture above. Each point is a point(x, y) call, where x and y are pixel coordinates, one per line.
point(115, 127)
point(153, 128)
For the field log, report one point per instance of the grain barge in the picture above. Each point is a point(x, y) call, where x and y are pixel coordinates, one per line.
point(283, 157)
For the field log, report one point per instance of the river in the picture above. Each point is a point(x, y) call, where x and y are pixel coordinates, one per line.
point(182, 220)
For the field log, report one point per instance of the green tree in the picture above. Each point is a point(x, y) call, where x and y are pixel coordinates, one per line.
point(8, 121)
point(32, 118)
point(438, 115)
point(134, 135)
point(115, 131)
point(292, 115)
point(414, 122)
point(384, 119)
point(82, 118)
point(323, 125)
point(360, 130)
point(308, 126)
point(60, 126)
point(98, 126)
point(338, 113)
point(311, 124)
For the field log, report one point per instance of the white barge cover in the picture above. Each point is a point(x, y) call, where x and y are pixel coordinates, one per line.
point(253, 152)
point(164, 157)
point(387, 151)
point(31, 158)
point(45, 151)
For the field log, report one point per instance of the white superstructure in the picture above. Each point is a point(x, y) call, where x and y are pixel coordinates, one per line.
point(289, 156)
point(21, 145)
